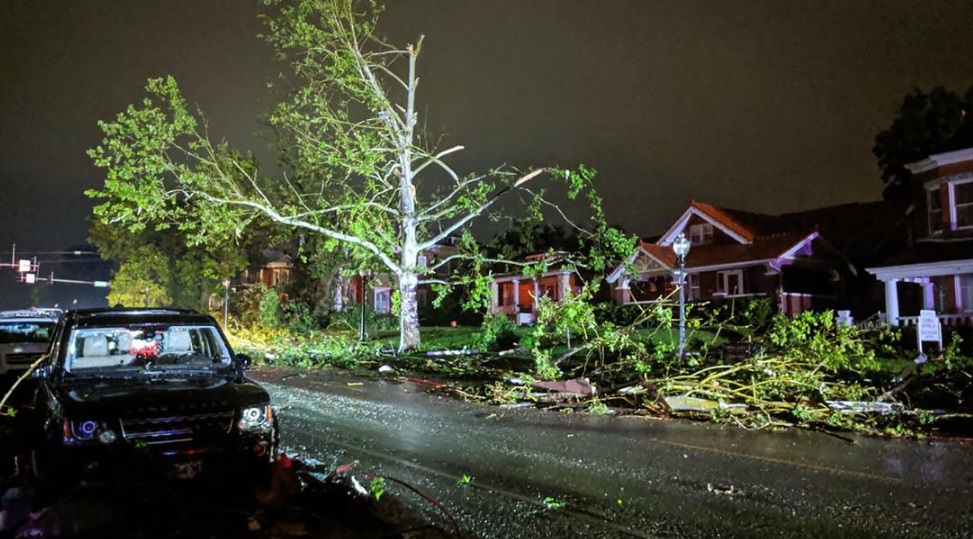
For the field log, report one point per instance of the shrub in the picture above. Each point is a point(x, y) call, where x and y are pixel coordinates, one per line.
point(496, 333)
point(269, 308)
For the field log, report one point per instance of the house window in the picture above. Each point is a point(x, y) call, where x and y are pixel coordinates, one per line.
point(935, 205)
point(551, 292)
point(965, 293)
point(963, 204)
point(701, 234)
point(280, 277)
point(692, 286)
point(383, 301)
point(729, 283)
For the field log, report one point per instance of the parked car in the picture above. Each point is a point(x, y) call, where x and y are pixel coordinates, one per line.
point(24, 337)
point(158, 391)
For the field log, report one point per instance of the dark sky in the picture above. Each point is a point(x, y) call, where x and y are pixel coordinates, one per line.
point(769, 105)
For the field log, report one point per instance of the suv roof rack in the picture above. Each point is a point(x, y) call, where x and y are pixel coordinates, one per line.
point(32, 313)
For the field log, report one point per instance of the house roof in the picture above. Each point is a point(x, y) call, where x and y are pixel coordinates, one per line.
point(865, 232)
point(946, 158)
point(924, 252)
point(762, 249)
point(858, 233)
point(746, 224)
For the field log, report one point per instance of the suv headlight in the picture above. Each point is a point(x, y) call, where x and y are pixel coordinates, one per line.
point(255, 418)
point(87, 431)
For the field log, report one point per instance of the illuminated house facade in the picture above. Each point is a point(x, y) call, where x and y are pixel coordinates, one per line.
point(736, 254)
point(516, 295)
point(936, 270)
point(378, 288)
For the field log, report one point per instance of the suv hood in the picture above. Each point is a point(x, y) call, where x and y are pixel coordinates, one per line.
point(115, 397)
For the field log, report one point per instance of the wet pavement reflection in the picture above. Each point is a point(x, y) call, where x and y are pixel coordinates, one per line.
point(505, 472)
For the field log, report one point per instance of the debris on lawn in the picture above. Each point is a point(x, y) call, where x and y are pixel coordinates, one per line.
point(858, 407)
point(461, 352)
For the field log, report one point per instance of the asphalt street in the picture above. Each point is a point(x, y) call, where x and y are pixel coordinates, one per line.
point(535, 473)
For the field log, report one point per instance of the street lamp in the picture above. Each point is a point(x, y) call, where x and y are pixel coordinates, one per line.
point(681, 248)
point(226, 302)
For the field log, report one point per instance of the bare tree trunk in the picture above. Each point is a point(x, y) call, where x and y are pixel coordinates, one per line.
point(408, 312)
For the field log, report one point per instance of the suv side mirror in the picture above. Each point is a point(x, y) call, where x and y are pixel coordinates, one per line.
point(243, 362)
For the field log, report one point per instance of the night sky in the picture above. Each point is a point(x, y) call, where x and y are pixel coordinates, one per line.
point(769, 106)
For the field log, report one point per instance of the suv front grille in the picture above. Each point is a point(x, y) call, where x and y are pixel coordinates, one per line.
point(21, 360)
point(179, 426)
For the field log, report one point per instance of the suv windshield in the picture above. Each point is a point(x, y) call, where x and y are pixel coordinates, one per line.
point(22, 331)
point(145, 347)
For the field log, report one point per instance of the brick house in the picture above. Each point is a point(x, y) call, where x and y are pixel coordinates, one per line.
point(516, 294)
point(737, 254)
point(935, 271)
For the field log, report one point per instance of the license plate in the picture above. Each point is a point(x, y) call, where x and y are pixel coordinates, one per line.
point(187, 470)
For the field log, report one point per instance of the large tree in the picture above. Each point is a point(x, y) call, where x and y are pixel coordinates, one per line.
point(359, 174)
point(926, 124)
point(157, 267)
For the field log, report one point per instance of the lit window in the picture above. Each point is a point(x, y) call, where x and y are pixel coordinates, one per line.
point(963, 204)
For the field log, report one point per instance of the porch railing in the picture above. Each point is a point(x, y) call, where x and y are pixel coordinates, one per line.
point(948, 320)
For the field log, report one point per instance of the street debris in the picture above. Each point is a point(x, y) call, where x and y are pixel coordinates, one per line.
point(723, 491)
point(579, 386)
point(298, 500)
point(859, 407)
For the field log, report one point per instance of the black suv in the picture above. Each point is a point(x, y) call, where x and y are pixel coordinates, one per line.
point(151, 389)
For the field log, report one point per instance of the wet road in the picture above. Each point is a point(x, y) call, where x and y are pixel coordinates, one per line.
point(624, 477)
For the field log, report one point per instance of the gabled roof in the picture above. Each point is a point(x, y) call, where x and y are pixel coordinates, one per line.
point(740, 225)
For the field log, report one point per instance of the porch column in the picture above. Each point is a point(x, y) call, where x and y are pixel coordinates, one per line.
point(495, 296)
point(564, 284)
point(537, 294)
point(624, 292)
point(892, 302)
point(516, 295)
point(928, 294)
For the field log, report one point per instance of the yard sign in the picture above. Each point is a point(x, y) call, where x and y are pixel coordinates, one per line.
point(929, 329)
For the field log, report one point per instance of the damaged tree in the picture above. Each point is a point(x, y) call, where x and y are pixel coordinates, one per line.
point(348, 139)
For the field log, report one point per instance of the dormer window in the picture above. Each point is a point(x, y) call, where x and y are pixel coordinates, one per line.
point(935, 204)
point(963, 204)
point(701, 234)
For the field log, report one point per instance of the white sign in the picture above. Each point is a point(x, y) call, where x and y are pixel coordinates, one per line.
point(929, 329)
point(23, 266)
point(29, 278)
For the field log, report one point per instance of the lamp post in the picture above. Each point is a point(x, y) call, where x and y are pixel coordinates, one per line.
point(681, 248)
point(365, 275)
point(226, 302)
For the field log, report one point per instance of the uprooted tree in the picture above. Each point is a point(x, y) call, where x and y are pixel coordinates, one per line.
point(358, 171)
